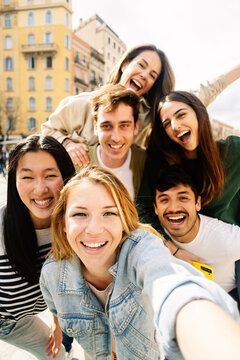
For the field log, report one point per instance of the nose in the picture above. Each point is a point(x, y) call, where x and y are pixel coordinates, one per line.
point(115, 135)
point(40, 187)
point(174, 124)
point(173, 205)
point(143, 74)
point(94, 225)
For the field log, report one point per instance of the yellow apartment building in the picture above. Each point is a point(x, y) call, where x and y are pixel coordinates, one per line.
point(35, 62)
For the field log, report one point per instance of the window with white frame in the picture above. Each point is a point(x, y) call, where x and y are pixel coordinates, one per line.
point(31, 124)
point(10, 123)
point(32, 62)
point(66, 84)
point(7, 21)
point(49, 104)
point(10, 104)
point(48, 82)
point(47, 38)
point(67, 19)
point(31, 83)
point(48, 17)
point(67, 42)
point(31, 39)
point(7, 2)
point(8, 63)
point(48, 62)
point(32, 104)
point(30, 19)
point(8, 42)
point(66, 63)
point(9, 84)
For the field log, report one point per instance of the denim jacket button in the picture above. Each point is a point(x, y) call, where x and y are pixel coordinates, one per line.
point(69, 330)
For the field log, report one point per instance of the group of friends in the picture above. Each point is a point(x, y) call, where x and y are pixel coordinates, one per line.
point(124, 189)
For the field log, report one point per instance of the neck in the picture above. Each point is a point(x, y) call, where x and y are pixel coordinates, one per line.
point(100, 279)
point(191, 154)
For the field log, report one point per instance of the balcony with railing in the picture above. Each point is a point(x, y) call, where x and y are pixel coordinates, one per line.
point(39, 48)
point(80, 81)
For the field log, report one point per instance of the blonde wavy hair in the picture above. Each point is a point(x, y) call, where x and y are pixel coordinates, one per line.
point(126, 208)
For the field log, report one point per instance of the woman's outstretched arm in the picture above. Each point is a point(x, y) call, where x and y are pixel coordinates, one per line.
point(205, 331)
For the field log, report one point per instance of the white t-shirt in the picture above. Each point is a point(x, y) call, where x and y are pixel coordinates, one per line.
point(219, 244)
point(124, 173)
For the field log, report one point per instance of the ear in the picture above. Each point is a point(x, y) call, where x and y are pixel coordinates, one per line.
point(136, 128)
point(125, 65)
point(198, 203)
point(95, 128)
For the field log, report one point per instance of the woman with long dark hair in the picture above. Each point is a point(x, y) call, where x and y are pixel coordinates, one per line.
point(182, 134)
point(38, 168)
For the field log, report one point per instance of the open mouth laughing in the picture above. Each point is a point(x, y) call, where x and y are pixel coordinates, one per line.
point(176, 219)
point(135, 85)
point(184, 136)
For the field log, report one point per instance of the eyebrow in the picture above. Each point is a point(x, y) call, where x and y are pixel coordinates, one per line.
point(176, 112)
point(178, 193)
point(148, 65)
point(120, 122)
point(105, 207)
point(30, 170)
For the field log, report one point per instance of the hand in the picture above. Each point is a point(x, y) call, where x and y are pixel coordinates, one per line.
point(54, 342)
point(188, 257)
point(78, 153)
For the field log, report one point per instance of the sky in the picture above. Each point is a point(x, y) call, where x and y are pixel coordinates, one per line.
point(200, 38)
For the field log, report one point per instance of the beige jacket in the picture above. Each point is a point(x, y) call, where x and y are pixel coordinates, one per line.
point(73, 117)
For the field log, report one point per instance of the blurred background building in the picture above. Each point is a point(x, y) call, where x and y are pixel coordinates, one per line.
point(43, 60)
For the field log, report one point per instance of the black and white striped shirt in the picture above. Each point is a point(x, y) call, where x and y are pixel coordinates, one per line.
point(17, 298)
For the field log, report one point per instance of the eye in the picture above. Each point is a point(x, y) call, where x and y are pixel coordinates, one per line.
point(105, 127)
point(79, 214)
point(27, 177)
point(163, 201)
point(125, 126)
point(181, 115)
point(51, 176)
point(153, 76)
point(166, 124)
point(110, 213)
point(141, 65)
point(184, 198)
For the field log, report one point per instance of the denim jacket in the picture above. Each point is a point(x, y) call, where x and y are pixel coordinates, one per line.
point(149, 287)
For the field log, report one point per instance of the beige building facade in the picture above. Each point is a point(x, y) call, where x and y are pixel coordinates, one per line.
point(102, 38)
point(80, 65)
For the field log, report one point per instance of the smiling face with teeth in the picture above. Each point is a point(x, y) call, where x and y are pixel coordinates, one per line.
point(38, 181)
point(93, 227)
point(115, 131)
point(141, 73)
point(181, 125)
point(177, 210)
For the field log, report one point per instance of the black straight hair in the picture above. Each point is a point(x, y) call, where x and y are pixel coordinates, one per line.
point(20, 238)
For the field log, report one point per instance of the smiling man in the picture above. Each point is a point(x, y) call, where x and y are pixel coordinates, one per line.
point(115, 112)
point(177, 203)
